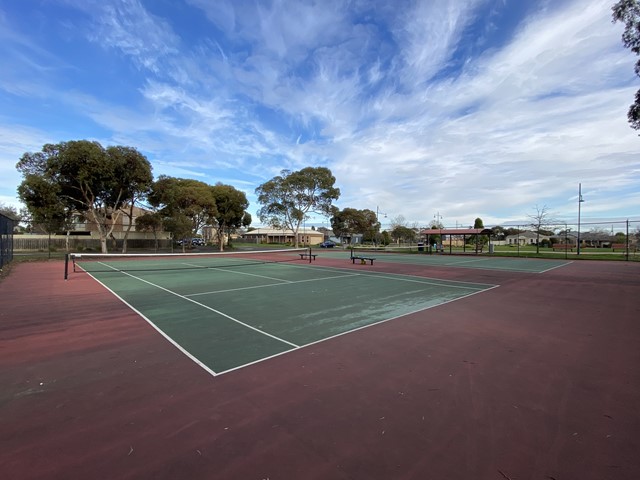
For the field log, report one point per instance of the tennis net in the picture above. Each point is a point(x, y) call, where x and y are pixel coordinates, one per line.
point(140, 262)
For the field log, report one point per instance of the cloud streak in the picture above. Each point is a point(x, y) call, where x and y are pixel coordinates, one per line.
point(416, 107)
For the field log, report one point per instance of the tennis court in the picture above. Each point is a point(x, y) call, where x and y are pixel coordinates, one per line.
point(484, 262)
point(226, 311)
point(399, 369)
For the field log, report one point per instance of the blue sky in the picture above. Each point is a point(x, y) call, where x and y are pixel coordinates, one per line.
point(477, 108)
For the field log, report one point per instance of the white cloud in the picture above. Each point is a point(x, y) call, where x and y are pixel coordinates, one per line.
point(358, 86)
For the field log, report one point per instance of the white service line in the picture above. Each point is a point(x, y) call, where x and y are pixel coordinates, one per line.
point(206, 307)
point(240, 273)
point(271, 285)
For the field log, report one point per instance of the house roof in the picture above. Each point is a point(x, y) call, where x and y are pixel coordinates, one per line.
point(282, 231)
point(456, 231)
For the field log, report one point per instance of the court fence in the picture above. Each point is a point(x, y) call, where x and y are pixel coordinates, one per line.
point(6, 240)
point(44, 243)
point(614, 236)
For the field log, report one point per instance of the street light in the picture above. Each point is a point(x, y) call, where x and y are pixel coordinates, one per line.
point(378, 213)
point(580, 200)
point(438, 218)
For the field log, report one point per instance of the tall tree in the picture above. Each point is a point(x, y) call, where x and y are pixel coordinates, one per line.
point(350, 221)
point(83, 178)
point(403, 233)
point(231, 205)
point(150, 222)
point(289, 198)
point(9, 211)
point(135, 173)
point(628, 12)
point(186, 205)
point(539, 220)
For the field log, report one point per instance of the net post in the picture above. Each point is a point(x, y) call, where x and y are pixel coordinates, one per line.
point(66, 266)
point(309, 252)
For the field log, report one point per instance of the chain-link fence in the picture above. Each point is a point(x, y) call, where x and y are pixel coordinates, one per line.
point(83, 236)
point(586, 234)
point(6, 240)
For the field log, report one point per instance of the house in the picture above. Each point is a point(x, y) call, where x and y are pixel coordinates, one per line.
point(596, 239)
point(306, 236)
point(83, 226)
point(525, 238)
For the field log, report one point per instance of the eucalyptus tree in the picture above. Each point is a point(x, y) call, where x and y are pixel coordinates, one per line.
point(628, 12)
point(185, 205)
point(289, 198)
point(81, 177)
point(135, 173)
point(231, 205)
point(351, 221)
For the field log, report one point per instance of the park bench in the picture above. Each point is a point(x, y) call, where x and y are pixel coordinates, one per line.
point(308, 255)
point(563, 246)
point(363, 260)
point(618, 246)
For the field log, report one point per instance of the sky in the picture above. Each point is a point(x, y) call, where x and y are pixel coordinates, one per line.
point(444, 110)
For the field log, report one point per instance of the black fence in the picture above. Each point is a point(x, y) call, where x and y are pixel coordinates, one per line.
point(6, 240)
point(60, 243)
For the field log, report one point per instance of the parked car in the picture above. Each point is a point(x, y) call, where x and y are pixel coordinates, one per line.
point(327, 244)
point(192, 241)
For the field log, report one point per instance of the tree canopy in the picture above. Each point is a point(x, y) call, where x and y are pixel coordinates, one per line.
point(351, 221)
point(289, 198)
point(628, 12)
point(82, 177)
point(539, 220)
point(231, 205)
point(185, 205)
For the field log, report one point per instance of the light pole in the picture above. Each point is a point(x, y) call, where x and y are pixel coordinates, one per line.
point(378, 213)
point(580, 200)
point(438, 219)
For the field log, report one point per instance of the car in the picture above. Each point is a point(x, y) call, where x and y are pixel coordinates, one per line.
point(327, 244)
point(199, 242)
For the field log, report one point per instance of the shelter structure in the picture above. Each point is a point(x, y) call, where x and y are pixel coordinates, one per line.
point(450, 236)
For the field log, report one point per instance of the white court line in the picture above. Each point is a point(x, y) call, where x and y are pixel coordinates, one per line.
point(206, 307)
point(240, 273)
point(474, 286)
point(557, 266)
point(156, 328)
point(403, 276)
point(297, 347)
point(464, 261)
point(270, 285)
point(356, 329)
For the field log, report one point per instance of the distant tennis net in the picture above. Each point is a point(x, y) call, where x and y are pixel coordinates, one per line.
point(140, 262)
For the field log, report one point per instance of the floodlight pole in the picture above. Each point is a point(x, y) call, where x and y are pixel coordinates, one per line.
point(580, 200)
point(438, 218)
point(378, 212)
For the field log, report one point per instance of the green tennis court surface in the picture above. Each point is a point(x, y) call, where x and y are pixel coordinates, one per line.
point(511, 264)
point(228, 317)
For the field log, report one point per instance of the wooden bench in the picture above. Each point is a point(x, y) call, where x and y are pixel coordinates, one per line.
point(363, 260)
point(310, 256)
point(562, 246)
point(619, 246)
